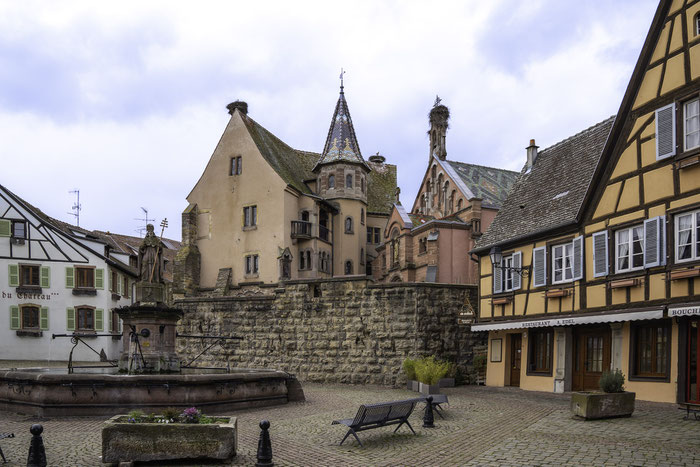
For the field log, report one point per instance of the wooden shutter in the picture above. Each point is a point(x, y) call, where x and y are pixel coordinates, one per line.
point(578, 258)
point(517, 262)
point(653, 239)
point(70, 319)
point(13, 274)
point(120, 286)
point(14, 317)
point(666, 131)
point(600, 254)
point(110, 275)
point(70, 278)
point(5, 228)
point(99, 279)
point(662, 240)
point(110, 326)
point(99, 320)
point(45, 277)
point(44, 318)
point(539, 266)
point(497, 278)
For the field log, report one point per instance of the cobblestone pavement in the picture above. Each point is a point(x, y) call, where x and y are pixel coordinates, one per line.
point(482, 426)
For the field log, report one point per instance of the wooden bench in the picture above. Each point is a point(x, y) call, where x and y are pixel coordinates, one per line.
point(689, 407)
point(3, 436)
point(378, 415)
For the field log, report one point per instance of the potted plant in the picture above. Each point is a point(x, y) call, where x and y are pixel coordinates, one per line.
point(409, 367)
point(479, 363)
point(171, 435)
point(429, 370)
point(613, 401)
point(448, 381)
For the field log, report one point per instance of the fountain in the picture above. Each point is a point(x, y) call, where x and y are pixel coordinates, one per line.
point(150, 375)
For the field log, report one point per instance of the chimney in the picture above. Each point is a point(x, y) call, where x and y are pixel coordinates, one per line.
point(240, 105)
point(531, 154)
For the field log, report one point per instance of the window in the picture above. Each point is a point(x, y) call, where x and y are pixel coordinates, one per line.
point(697, 24)
point(348, 225)
point(650, 351)
point(114, 282)
point(562, 263)
point(540, 351)
point(331, 181)
point(324, 262)
point(691, 128)
point(348, 267)
point(30, 316)
point(459, 205)
point(362, 216)
point(362, 184)
point(250, 216)
point(629, 249)
point(19, 229)
point(423, 245)
point(251, 265)
point(506, 277)
point(373, 234)
point(29, 275)
point(85, 319)
point(85, 278)
point(305, 259)
point(286, 263)
point(348, 181)
point(236, 165)
point(688, 236)
point(125, 288)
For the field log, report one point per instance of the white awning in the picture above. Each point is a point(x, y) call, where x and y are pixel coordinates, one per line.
point(684, 310)
point(572, 320)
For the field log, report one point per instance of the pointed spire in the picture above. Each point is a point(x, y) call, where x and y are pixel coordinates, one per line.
point(341, 143)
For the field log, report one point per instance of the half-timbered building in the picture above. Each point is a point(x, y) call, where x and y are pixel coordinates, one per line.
point(593, 262)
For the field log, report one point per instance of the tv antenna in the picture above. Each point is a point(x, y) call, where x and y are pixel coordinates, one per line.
point(77, 207)
point(145, 221)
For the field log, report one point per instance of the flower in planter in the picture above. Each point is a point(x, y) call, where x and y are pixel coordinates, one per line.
point(191, 415)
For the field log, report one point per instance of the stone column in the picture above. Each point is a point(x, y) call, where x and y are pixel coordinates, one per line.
point(616, 346)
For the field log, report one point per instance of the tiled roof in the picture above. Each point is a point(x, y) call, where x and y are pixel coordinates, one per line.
point(419, 219)
point(490, 184)
point(295, 166)
point(341, 143)
point(551, 194)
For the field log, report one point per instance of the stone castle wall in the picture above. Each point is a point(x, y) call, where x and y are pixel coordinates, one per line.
point(347, 331)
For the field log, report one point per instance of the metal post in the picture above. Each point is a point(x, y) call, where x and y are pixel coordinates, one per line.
point(37, 453)
point(428, 417)
point(264, 446)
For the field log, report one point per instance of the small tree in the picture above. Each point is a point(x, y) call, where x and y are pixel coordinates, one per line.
point(409, 367)
point(612, 381)
point(429, 370)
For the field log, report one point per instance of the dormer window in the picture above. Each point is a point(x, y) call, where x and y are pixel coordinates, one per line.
point(331, 181)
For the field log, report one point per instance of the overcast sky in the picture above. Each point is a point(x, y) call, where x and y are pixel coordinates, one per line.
point(126, 100)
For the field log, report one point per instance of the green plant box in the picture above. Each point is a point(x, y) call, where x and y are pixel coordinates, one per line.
point(141, 442)
point(597, 405)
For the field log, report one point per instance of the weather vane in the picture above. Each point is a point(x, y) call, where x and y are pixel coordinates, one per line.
point(342, 72)
point(437, 100)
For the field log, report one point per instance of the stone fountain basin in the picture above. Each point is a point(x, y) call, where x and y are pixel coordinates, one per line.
point(50, 394)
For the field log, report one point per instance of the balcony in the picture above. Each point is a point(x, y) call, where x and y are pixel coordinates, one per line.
point(301, 229)
point(323, 233)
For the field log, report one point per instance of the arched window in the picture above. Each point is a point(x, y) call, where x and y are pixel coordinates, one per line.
point(459, 204)
point(452, 200)
point(362, 184)
point(362, 216)
point(348, 267)
point(394, 247)
point(348, 181)
point(433, 172)
point(331, 181)
point(348, 225)
point(439, 187)
point(697, 24)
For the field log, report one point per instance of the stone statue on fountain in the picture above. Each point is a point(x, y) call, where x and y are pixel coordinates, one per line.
point(151, 285)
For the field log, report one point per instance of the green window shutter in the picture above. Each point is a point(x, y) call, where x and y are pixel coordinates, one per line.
point(70, 278)
point(13, 273)
point(70, 319)
point(111, 282)
point(45, 277)
point(99, 279)
point(14, 317)
point(99, 319)
point(5, 227)
point(44, 318)
point(119, 284)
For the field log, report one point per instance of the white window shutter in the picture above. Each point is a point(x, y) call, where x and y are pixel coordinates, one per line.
point(578, 258)
point(539, 266)
point(600, 254)
point(652, 242)
point(497, 278)
point(517, 264)
point(666, 131)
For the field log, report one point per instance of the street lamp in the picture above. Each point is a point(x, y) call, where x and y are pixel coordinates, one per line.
point(497, 258)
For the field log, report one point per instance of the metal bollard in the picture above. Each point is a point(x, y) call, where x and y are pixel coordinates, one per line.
point(428, 417)
point(37, 453)
point(264, 446)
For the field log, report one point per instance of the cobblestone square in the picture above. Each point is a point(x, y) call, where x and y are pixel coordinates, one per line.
point(482, 426)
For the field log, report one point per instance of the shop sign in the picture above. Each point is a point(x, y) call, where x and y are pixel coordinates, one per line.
point(684, 311)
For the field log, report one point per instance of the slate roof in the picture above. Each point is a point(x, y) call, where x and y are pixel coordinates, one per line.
point(295, 166)
point(341, 143)
point(490, 184)
point(551, 194)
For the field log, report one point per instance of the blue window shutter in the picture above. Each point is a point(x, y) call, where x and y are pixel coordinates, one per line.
point(539, 266)
point(517, 263)
point(600, 254)
point(666, 131)
point(578, 258)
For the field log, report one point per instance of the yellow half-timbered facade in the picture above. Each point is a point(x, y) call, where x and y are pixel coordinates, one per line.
point(593, 262)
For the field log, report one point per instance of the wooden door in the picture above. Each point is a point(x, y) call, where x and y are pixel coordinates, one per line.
point(516, 344)
point(591, 357)
point(693, 390)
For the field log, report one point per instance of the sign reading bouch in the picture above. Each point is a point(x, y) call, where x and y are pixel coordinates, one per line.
point(684, 311)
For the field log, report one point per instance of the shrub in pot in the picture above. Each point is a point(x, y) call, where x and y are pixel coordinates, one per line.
point(409, 367)
point(429, 370)
point(613, 401)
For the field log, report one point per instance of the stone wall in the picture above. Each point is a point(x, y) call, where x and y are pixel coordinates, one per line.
point(348, 331)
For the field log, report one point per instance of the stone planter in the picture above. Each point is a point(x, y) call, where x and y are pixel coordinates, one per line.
point(140, 442)
point(596, 405)
point(428, 389)
point(412, 385)
point(446, 382)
